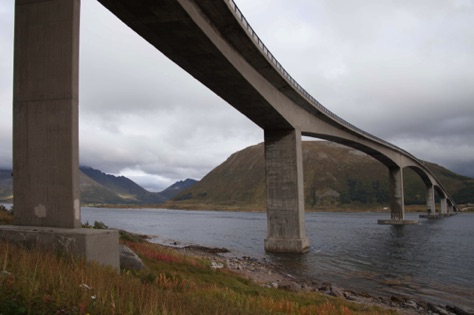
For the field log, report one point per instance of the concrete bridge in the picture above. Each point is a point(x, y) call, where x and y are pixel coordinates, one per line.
point(212, 41)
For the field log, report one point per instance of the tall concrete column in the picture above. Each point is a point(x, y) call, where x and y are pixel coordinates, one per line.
point(45, 113)
point(450, 207)
point(285, 195)
point(430, 200)
point(444, 205)
point(397, 199)
point(45, 135)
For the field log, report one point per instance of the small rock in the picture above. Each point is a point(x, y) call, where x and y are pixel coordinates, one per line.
point(458, 310)
point(347, 295)
point(216, 265)
point(437, 309)
point(337, 292)
point(290, 286)
point(325, 288)
point(411, 304)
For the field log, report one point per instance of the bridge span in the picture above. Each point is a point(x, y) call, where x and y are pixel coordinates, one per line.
point(212, 41)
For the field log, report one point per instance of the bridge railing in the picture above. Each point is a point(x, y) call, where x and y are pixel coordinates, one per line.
point(253, 35)
point(292, 81)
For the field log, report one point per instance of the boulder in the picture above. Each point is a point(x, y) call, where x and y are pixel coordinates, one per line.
point(129, 260)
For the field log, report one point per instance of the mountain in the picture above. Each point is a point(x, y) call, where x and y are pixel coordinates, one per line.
point(98, 188)
point(177, 187)
point(334, 176)
point(114, 189)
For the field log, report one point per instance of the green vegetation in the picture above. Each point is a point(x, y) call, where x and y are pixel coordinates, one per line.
point(37, 282)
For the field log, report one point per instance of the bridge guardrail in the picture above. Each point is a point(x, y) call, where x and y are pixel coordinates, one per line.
point(259, 43)
point(291, 80)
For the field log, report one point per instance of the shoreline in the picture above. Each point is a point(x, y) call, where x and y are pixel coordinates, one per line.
point(221, 208)
point(269, 274)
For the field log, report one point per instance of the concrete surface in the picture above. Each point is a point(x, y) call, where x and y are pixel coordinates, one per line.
point(45, 113)
point(94, 245)
point(285, 197)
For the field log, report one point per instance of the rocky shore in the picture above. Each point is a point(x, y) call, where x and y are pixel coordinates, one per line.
point(268, 274)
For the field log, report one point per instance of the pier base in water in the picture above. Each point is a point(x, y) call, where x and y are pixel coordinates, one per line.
point(436, 216)
point(280, 245)
point(397, 222)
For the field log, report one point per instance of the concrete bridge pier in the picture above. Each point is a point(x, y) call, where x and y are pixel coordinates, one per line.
point(397, 199)
point(451, 209)
point(431, 204)
point(443, 206)
point(285, 195)
point(45, 135)
point(430, 200)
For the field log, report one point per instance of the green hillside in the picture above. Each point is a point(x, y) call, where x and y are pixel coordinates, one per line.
point(334, 176)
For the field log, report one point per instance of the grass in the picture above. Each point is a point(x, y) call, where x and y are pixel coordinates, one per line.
point(6, 216)
point(38, 282)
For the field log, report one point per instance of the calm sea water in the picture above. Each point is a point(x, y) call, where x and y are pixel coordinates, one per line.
point(432, 261)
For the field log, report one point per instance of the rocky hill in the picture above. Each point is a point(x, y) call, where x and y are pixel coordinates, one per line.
point(177, 187)
point(334, 176)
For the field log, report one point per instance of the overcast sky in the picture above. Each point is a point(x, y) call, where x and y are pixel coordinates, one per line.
point(401, 70)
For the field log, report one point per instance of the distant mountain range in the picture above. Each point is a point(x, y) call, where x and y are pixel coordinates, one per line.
point(98, 188)
point(334, 176)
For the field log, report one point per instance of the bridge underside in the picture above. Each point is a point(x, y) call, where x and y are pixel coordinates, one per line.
point(180, 31)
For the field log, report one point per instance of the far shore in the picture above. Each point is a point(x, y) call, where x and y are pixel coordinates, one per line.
point(223, 208)
point(227, 208)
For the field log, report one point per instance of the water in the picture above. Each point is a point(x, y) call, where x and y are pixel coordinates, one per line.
point(432, 261)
